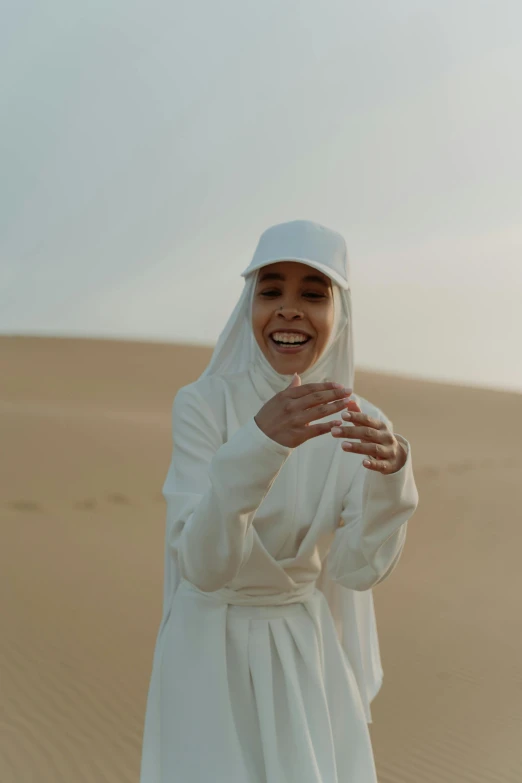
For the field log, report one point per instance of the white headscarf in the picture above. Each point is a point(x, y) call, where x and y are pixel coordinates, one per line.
point(237, 350)
point(320, 248)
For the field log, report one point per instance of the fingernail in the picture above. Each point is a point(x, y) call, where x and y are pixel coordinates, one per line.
point(338, 386)
point(346, 415)
point(336, 431)
point(347, 445)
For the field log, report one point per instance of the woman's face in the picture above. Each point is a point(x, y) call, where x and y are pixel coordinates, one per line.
point(292, 315)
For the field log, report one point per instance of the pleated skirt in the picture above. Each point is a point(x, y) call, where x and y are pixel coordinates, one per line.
point(253, 694)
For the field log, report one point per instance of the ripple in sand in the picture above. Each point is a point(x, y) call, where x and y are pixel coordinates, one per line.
point(460, 467)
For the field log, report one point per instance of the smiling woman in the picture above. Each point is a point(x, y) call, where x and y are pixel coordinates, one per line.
point(267, 656)
point(292, 315)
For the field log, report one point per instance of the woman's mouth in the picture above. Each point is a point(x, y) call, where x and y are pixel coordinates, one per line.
point(289, 342)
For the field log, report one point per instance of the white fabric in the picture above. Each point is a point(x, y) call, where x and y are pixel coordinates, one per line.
point(267, 655)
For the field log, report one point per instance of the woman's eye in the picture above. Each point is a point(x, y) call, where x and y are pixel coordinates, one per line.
point(308, 294)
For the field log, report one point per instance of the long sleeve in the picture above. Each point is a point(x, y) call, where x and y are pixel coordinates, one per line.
point(213, 490)
point(376, 510)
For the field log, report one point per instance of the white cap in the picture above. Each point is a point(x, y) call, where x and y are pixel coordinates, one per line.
point(306, 242)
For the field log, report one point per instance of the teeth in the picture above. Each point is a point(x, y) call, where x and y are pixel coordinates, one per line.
point(284, 337)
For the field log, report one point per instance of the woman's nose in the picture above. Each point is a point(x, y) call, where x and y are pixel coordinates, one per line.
point(289, 312)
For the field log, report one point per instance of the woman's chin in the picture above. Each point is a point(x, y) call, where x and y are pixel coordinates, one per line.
point(288, 365)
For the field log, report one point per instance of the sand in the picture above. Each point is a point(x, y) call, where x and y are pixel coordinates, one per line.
point(85, 434)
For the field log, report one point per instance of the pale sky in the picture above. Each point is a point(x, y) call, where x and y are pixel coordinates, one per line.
point(146, 144)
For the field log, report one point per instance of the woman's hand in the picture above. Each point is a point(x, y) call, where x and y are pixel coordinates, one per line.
point(376, 440)
point(286, 417)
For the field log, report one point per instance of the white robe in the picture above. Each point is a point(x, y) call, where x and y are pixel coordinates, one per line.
point(265, 661)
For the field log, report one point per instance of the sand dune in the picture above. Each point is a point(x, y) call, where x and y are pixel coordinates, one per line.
point(85, 433)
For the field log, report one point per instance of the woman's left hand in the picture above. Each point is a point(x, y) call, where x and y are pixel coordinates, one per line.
point(375, 438)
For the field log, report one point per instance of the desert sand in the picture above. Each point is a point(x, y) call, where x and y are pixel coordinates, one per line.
point(85, 446)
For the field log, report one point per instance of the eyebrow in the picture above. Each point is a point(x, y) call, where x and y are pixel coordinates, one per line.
point(306, 279)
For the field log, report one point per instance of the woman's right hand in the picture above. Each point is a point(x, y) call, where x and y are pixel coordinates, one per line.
point(286, 417)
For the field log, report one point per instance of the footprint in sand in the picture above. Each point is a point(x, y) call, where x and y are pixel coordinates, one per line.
point(89, 504)
point(25, 505)
point(460, 467)
point(118, 499)
point(428, 472)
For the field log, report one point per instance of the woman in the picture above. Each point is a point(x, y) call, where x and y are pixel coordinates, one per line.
point(267, 655)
